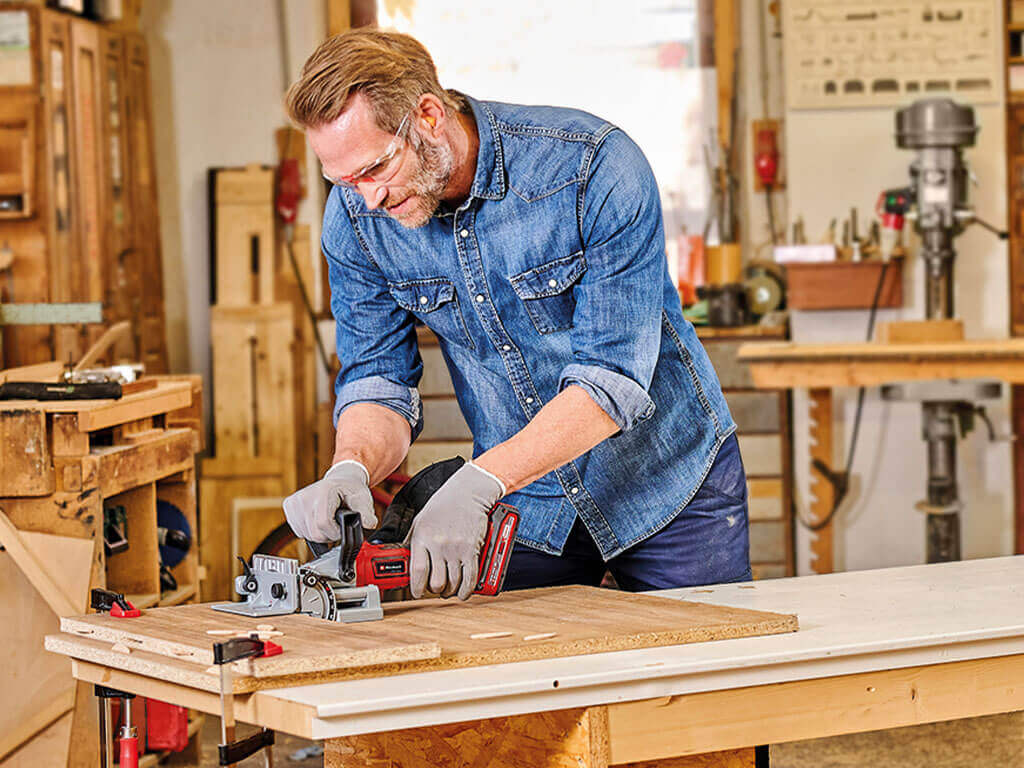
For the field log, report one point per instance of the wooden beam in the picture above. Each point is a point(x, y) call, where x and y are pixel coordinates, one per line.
point(772, 714)
point(34, 571)
point(570, 737)
point(726, 45)
point(257, 708)
point(122, 467)
point(823, 494)
point(339, 16)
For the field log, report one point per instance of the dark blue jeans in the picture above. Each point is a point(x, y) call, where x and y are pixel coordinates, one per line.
point(706, 543)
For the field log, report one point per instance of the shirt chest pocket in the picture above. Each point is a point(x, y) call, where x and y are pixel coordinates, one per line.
point(435, 302)
point(546, 292)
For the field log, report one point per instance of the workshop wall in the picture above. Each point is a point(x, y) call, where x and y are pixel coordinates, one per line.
point(217, 93)
point(836, 159)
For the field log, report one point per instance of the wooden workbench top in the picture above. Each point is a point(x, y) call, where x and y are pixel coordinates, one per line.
point(175, 644)
point(164, 396)
point(793, 364)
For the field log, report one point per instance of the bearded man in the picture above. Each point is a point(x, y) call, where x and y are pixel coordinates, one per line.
point(530, 240)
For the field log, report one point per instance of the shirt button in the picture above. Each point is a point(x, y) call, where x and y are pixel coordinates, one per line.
point(423, 299)
point(552, 282)
point(574, 491)
point(479, 298)
point(506, 347)
point(464, 233)
point(529, 400)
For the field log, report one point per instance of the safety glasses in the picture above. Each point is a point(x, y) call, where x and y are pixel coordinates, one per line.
point(381, 170)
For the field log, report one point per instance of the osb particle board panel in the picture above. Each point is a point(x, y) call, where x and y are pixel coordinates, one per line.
point(414, 636)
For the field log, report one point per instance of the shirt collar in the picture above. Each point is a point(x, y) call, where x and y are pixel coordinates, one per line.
point(489, 180)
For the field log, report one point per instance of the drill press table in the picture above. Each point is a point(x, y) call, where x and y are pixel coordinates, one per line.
point(876, 650)
point(822, 367)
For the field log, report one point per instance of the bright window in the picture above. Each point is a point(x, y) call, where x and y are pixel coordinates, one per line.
point(635, 64)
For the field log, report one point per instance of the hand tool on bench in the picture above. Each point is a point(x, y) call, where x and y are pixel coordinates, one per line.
point(43, 390)
point(225, 653)
point(343, 583)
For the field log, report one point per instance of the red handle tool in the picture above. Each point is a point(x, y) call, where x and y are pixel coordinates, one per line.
point(387, 565)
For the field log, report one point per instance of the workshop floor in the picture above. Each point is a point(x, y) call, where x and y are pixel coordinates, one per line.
point(983, 742)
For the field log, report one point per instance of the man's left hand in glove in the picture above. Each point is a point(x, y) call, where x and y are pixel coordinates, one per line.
point(447, 534)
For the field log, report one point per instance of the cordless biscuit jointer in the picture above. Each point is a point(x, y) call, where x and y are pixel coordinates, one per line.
point(343, 583)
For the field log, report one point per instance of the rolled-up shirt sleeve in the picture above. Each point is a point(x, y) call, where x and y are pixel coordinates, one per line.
point(616, 332)
point(375, 337)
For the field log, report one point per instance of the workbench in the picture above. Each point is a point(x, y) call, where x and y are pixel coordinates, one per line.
point(823, 367)
point(876, 650)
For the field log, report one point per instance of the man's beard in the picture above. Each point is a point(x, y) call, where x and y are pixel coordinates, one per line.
point(429, 180)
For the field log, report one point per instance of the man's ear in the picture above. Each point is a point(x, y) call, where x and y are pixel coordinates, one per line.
point(431, 110)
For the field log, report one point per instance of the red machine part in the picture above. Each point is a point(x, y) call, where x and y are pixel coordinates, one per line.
point(128, 751)
point(766, 157)
point(121, 613)
point(289, 190)
point(166, 726)
point(387, 565)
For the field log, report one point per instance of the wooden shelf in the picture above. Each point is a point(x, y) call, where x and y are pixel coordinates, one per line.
point(144, 600)
point(180, 595)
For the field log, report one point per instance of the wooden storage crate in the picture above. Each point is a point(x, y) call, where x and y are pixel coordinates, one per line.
point(62, 464)
point(843, 285)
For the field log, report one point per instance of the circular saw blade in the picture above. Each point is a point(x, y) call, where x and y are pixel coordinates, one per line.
point(317, 597)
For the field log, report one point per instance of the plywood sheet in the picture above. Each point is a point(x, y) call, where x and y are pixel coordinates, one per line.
point(414, 636)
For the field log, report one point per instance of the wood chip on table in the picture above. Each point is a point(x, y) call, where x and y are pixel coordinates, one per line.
point(120, 648)
point(541, 636)
point(489, 635)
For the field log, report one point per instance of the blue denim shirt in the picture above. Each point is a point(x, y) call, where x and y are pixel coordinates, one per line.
point(551, 273)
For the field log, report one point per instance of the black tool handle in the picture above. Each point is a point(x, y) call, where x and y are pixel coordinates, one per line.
point(351, 541)
point(236, 751)
point(237, 648)
point(41, 390)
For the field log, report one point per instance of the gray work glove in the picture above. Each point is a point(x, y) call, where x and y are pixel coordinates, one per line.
point(310, 511)
point(447, 534)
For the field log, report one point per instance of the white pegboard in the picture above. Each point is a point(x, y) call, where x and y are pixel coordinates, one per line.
point(848, 53)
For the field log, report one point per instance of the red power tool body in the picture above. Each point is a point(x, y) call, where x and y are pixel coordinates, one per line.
point(387, 564)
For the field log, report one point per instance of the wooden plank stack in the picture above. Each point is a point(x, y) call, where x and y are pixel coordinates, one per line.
point(65, 465)
point(264, 397)
point(78, 217)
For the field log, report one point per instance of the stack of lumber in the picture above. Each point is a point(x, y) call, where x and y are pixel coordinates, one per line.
point(264, 387)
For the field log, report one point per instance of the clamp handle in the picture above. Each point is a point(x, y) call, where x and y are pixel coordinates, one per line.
point(351, 541)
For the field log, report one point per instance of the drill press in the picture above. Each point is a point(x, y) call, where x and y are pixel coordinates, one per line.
point(939, 130)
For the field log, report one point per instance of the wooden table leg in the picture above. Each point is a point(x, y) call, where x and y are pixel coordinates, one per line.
point(572, 738)
point(822, 492)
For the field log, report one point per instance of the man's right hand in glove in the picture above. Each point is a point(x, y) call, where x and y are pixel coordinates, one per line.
point(310, 511)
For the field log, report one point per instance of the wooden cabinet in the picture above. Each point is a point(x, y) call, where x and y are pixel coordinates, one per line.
point(764, 431)
point(68, 468)
point(76, 224)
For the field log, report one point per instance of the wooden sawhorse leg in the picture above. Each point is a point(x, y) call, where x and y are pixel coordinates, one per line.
point(570, 738)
